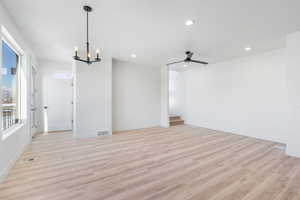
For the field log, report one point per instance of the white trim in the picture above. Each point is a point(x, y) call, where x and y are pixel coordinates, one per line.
point(1, 82)
point(11, 130)
point(164, 118)
point(12, 162)
point(6, 36)
point(32, 102)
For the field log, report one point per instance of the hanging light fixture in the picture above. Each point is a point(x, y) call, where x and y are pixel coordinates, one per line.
point(88, 59)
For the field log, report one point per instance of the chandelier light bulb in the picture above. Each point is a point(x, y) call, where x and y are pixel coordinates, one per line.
point(76, 52)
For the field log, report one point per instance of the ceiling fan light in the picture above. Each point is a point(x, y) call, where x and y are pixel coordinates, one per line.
point(189, 22)
point(248, 48)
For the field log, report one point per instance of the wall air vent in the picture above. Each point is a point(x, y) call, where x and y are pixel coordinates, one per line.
point(103, 133)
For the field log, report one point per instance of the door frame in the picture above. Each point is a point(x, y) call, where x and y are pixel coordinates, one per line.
point(33, 101)
point(164, 115)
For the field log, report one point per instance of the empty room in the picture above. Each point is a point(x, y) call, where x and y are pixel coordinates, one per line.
point(150, 100)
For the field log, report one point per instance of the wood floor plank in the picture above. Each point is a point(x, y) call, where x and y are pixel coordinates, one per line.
point(182, 162)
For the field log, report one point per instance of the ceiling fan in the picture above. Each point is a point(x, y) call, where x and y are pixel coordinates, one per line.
point(188, 59)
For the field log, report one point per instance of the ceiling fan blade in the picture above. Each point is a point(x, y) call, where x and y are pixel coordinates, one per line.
point(189, 55)
point(201, 62)
point(175, 62)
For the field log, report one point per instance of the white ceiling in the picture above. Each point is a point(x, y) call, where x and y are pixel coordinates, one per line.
point(154, 29)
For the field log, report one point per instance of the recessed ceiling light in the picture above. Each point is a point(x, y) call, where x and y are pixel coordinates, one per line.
point(185, 65)
point(189, 22)
point(248, 48)
point(133, 55)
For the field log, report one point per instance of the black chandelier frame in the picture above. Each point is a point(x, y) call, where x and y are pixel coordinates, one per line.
point(88, 59)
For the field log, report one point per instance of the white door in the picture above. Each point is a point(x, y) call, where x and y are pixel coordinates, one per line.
point(58, 101)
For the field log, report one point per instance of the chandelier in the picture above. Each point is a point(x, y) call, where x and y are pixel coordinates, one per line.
point(88, 59)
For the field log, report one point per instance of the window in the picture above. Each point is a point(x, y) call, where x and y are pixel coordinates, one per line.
point(13, 85)
point(10, 87)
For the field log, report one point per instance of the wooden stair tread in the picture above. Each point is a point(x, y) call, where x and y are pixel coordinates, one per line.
point(177, 120)
point(174, 118)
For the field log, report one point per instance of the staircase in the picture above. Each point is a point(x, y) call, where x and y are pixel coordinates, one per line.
point(175, 120)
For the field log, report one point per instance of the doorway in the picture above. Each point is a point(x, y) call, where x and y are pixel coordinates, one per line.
point(57, 96)
point(176, 97)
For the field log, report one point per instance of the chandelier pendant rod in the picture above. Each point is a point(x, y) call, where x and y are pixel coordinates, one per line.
point(87, 37)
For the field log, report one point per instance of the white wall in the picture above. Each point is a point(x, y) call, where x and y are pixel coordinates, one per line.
point(136, 96)
point(55, 91)
point(92, 98)
point(246, 96)
point(13, 146)
point(293, 72)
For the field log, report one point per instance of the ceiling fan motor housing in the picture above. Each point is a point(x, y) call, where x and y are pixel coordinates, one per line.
point(87, 8)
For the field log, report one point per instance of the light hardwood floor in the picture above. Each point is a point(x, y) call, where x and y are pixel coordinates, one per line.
point(178, 163)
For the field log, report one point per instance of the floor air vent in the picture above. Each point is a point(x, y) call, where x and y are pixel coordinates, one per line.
point(103, 133)
point(27, 160)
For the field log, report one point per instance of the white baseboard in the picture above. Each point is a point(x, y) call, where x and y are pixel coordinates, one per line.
point(4, 172)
